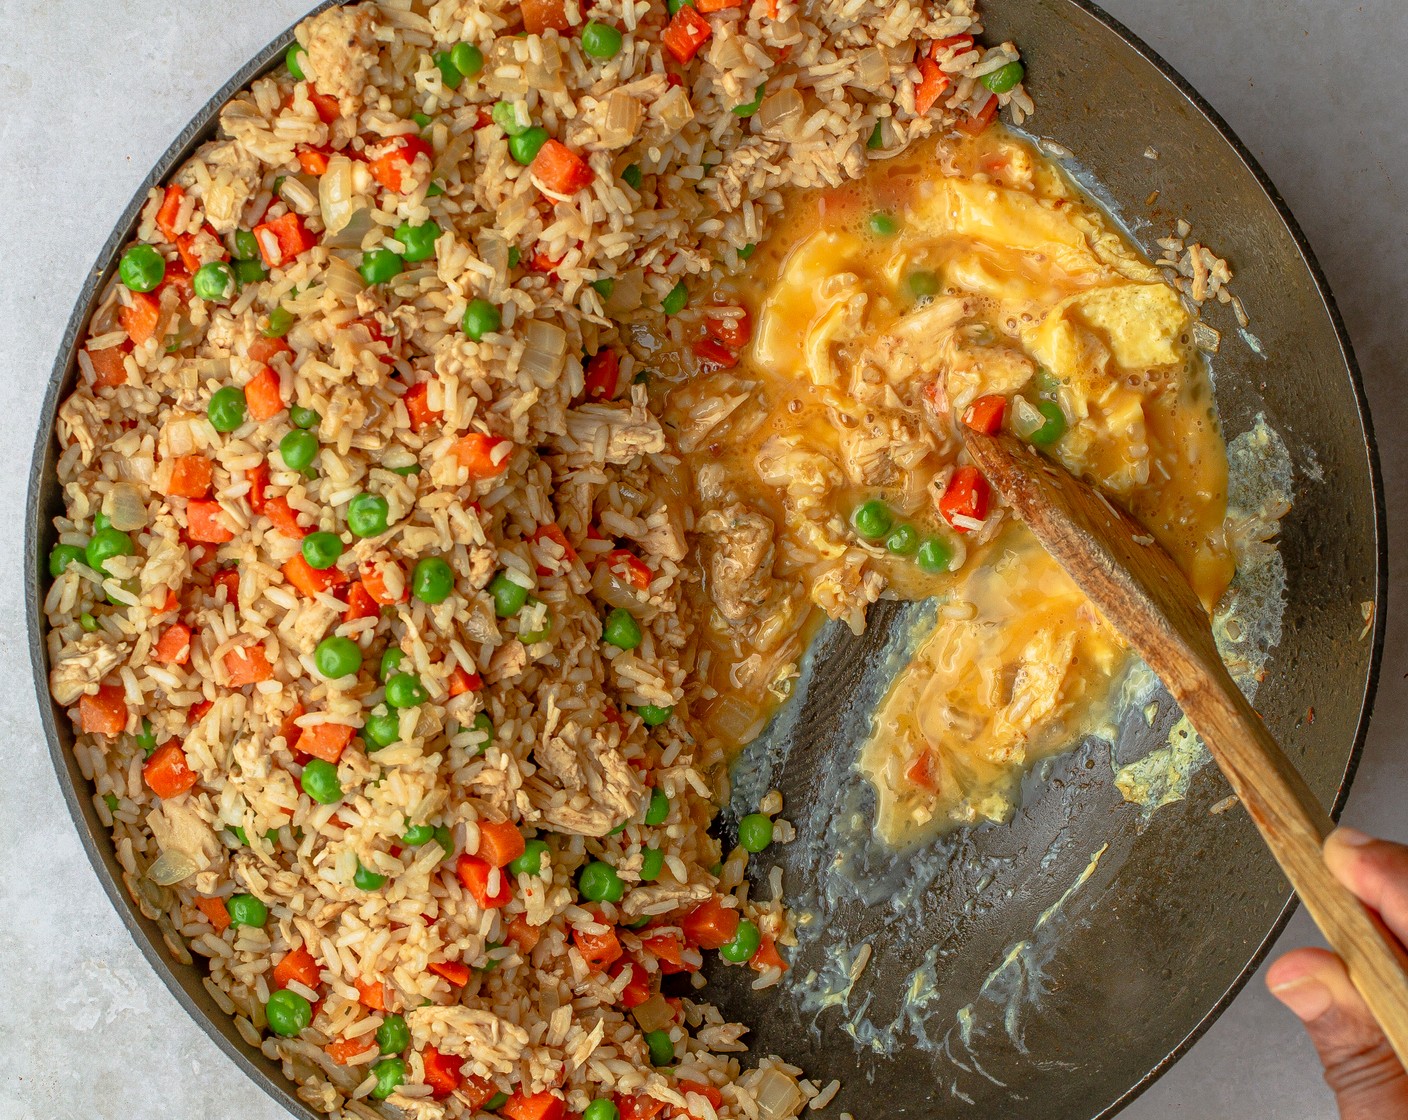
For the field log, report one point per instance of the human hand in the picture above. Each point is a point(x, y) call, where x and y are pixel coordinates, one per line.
point(1367, 1078)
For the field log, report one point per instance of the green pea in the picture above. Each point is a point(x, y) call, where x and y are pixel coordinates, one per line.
point(480, 318)
point(246, 910)
point(418, 834)
point(404, 690)
point(337, 657)
point(675, 299)
point(485, 726)
point(598, 882)
point(446, 839)
point(239, 834)
point(751, 107)
point(389, 1073)
point(934, 556)
point(541, 634)
point(659, 808)
point(101, 520)
point(280, 322)
point(88, 622)
point(1046, 382)
point(435, 190)
point(142, 268)
point(621, 630)
point(755, 832)
point(509, 596)
point(288, 1013)
point(419, 241)
point(433, 580)
point(922, 284)
point(524, 147)
point(872, 519)
point(653, 716)
point(293, 59)
point(652, 862)
point(380, 265)
point(301, 417)
point(390, 663)
point(662, 1050)
point(112, 801)
point(632, 176)
point(146, 738)
point(1053, 429)
point(877, 137)
point(881, 224)
point(422, 120)
point(299, 448)
point(250, 272)
point(365, 880)
point(601, 1110)
point(393, 1035)
point(514, 256)
point(246, 246)
point(675, 5)
point(105, 544)
point(320, 782)
point(449, 73)
point(497, 1101)
point(367, 514)
point(321, 550)
point(382, 728)
point(406, 471)
point(62, 556)
point(226, 410)
point(744, 944)
point(747, 251)
point(508, 118)
point(214, 282)
point(604, 287)
point(531, 861)
point(903, 541)
point(468, 59)
point(601, 40)
point(1005, 77)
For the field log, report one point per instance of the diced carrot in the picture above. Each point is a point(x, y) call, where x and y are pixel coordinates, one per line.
point(174, 646)
point(711, 924)
point(186, 248)
point(312, 161)
point(418, 407)
point(140, 319)
point(360, 604)
point(308, 579)
point(297, 964)
point(561, 170)
point(172, 601)
point(499, 842)
point(345, 1049)
point(229, 579)
point(258, 479)
point(638, 1106)
point(552, 532)
point(325, 740)
point(264, 395)
point(687, 32)
point(166, 772)
point(522, 934)
point(283, 238)
point(637, 989)
point(543, 15)
point(933, 83)
point(456, 972)
point(170, 209)
point(979, 121)
point(668, 952)
point(960, 43)
point(921, 772)
point(329, 108)
point(985, 413)
point(481, 456)
point(733, 331)
point(629, 567)
point(214, 910)
point(109, 366)
point(285, 520)
point(374, 580)
point(263, 349)
point(178, 279)
point(475, 873)
point(390, 169)
point(540, 1106)
point(371, 993)
point(198, 711)
point(714, 354)
point(603, 371)
point(205, 521)
point(708, 1092)
point(289, 728)
point(767, 956)
point(462, 681)
point(190, 476)
point(104, 713)
point(599, 950)
point(966, 496)
point(541, 262)
point(936, 397)
point(442, 1074)
point(248, 665)
point(717, 5)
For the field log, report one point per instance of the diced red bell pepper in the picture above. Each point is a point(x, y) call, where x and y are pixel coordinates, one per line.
point(390, 169)
point(360, 604)
point(978, 123)
point(985, 414)
point(767, 956)
point(462, 681)
point(733, 331)
point(456, 972)
point(442, 1074)
point(258, 479)
point(921, 772)
point(552, 532)
point(283, 238)
point(933, 84)
point(637, 989)
point(140, 319)
point(170, 210)
point(967, 496)
point(714, 354)
point(328, 108)
point(603, 371)
point(629, 567)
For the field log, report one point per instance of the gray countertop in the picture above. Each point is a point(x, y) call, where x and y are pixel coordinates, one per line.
point(91, 93)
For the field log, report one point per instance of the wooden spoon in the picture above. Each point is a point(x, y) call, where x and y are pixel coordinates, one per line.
point(1143, 595)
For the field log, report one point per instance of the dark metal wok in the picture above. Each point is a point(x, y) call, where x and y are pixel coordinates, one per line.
point(1055, 987)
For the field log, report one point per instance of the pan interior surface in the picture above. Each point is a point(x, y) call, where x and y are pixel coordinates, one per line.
point(1053, 966)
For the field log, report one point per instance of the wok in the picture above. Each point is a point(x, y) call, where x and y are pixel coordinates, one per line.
point(1054, 966)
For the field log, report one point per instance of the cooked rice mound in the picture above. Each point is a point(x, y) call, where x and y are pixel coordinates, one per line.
point(188, 665)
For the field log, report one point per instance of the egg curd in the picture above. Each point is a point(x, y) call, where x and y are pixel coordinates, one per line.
point(968, 279)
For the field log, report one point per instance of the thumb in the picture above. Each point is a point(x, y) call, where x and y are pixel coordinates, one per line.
point(1365, 1074)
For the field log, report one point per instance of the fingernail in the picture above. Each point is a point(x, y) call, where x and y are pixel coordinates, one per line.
point(1351, 837)
point(1307, 997)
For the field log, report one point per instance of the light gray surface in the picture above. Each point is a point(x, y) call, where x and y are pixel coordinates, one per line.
point(92, 92)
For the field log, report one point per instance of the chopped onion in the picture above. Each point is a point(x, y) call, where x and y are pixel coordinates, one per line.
point(493, 251)
point(674, 111)
point(732, 720)
point(342, 279)
point(545, 72)
point(615, 592)
point(136, 468)
point(872, 69)
point(654, 1014)
point(454, 153)
point(171, 867)
point(125, 507)
point(780, 113)
point(545, 346)
point(337, 198)
point(627, 293)
point(778, 1095)
point(1025, 417)
point(623, 115)
point(301, 193)
point(727, 54)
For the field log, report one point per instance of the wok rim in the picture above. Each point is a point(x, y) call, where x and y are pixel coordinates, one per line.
point(96, 839)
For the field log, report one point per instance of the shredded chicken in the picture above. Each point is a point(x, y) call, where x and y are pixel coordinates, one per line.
point(739, 548)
